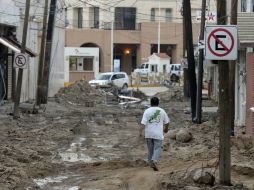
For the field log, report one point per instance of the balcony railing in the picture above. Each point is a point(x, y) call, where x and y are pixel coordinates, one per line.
point(118, 26)
point(91, 24)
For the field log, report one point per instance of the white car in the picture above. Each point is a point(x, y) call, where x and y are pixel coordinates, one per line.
point(119, 79)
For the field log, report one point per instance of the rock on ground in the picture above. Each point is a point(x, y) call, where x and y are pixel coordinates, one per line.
point(202, 176)
point(183, 136)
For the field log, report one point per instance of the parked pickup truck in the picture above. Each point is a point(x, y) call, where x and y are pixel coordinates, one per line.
point(175, 70)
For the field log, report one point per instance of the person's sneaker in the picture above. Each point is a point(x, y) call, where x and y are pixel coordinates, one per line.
point(153, 165)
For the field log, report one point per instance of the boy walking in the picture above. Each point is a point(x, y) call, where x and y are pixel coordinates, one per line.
point(155, 121)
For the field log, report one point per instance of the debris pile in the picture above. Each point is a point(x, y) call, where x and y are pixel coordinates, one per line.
point(139, 94)
point(175, 94)
point(81, 93)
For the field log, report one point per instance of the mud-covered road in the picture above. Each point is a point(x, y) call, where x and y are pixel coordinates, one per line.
point(85, 140)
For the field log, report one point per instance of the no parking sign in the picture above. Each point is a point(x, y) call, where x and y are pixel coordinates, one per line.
point(20, 60)
point(221, 42)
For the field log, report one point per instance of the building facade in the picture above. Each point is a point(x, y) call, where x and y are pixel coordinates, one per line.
point(11, 30)
point(245, 66)
point(127, 31)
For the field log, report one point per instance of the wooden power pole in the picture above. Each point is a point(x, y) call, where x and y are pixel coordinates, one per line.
point(200, 66)
point(46, 70)
point(42, 55)
point(233, 21)
point(190, 56)
point(20, 72)
point(224, 107)
point(186, 91)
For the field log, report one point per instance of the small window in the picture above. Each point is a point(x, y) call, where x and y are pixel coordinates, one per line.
point(153, 14)
point(80, 17)
point(168, 15)
point(154, 68)
point(243, 5)
point(146, 66)
point(164, 68)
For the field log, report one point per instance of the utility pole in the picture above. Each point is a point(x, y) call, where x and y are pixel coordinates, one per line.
point(200, 66)
point(224, 107)
point(185, 70)
point(112, 42)
point(233, 21)
point(190, 56)
point(46, 70)
point(42, 55)
point(20, 72)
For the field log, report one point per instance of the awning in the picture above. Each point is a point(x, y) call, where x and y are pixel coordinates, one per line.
point(15, 46)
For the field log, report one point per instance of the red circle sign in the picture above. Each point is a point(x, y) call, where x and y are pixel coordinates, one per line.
point(20, 60)
point(227, 49)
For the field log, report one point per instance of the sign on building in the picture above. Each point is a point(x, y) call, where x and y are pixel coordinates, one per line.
point(221, 42)
point(20, 60)
point(210, 16)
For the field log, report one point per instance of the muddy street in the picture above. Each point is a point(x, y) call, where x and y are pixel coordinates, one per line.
point(84, 139)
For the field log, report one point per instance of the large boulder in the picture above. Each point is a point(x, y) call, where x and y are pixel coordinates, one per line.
point(183, 136)
point(202, 176)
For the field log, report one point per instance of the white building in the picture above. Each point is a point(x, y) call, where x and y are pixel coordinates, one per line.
point(11, 26)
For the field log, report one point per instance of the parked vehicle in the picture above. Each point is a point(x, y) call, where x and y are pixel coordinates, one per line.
point(146, 68)
point(176, 72)
point(119, 79)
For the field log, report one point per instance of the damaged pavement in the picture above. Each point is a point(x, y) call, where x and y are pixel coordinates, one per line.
point(87, 139)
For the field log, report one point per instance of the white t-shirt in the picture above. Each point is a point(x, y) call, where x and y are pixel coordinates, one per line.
point(154, 119)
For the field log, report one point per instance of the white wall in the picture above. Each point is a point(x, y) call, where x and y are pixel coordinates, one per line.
point(56, 79)
point(12, 13)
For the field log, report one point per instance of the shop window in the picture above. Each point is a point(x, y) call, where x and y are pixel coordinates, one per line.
point(88, 64)
point(73, 63)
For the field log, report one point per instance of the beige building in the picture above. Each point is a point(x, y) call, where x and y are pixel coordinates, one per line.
point(138, 28)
